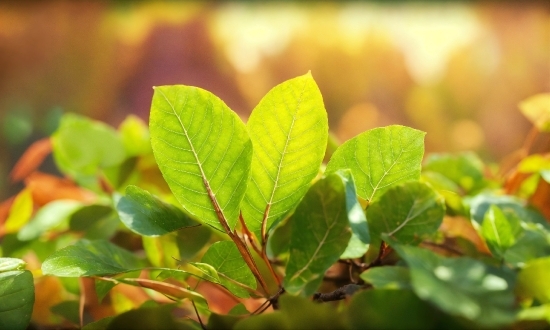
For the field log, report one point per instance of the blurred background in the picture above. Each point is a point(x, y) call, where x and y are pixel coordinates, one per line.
point(455, 70)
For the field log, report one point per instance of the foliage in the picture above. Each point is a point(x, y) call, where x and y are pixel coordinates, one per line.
point(247, 211)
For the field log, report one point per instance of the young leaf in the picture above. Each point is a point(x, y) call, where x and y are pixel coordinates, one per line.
point(464, 169)
point(227, 261)
point(380, 158)
point(203, 151)
point(147, 215)
point(319, 234)
point(498, 231)
point(407, 212)
point(7, 264)
point(533, 280)
point(82, 146)
point(289, 130)
point(461, 286)
point(90, 258)
point(16, 299)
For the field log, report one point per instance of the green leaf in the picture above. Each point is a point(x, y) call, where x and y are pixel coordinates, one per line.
point(389, 309)
point(319, 234)
point(388, 277)
point(69, 310)
point(16, 299)
point(532, 244)
point(96, 221)
point(82, 146)
point(102, 288)
point(228, 262)
point(289, 131)
point(191, 241)
point(8, 264)
point(161, 251)
point(90, 258)
point(537, 109)
point(464, 169)
point(533, 280)
point(407, 212)
point(135, 136)
point(100, 324)
point(355, 249)
point(49, 216)
point(499, 232)
point(147, 215)
point(480, 204)
point(203, 151)
point(296, 313)
point(380, 158)
point(461, 286)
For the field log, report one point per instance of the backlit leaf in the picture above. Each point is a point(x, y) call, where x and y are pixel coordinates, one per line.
point(319, 234)
point(147, 215)
point(380, 158)
point(203, 151)
point(533, 280)
point(82, 146)
point(407, 212)
point(228, 262)
point(90, 258)
point(20, 212)
point(537, 109)
point(7, 264)
point(289, 130)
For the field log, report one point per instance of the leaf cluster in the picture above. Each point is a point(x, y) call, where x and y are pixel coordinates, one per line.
point(200, 205)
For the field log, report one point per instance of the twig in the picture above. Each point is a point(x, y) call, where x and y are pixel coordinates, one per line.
point(198, 316)
point(338, 294)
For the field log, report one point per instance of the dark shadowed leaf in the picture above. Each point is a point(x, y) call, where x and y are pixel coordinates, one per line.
point(147, 215)
point(389, 309)
point(296, 313)
point(90, 258)
point(462, 286)
point(319, 234)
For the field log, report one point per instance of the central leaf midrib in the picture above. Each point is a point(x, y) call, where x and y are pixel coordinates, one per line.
point(283, 154)
point(199, 165)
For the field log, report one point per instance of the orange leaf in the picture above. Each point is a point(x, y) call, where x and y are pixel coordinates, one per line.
point(541, 198)
point(31, 159)
point(46, 188)
point(462, 227)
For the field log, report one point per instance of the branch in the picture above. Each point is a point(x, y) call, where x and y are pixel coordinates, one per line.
point(338, 294)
